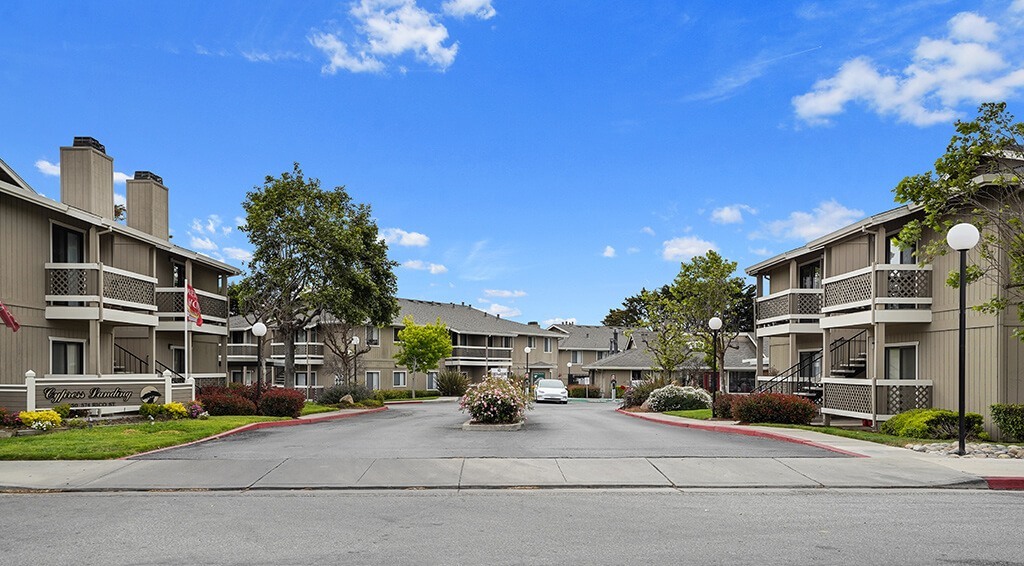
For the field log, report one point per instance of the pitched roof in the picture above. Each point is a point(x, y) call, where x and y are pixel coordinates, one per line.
point(740, 350)
point(464, 319)
point(588, 337)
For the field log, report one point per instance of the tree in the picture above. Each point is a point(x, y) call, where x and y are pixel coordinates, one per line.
point(977, 180)
point(423, 346)
point(667, 340)
point(631, 314)
point(315, 251)
point(706, 287)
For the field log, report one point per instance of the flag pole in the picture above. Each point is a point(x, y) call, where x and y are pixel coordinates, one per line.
point(187, 345)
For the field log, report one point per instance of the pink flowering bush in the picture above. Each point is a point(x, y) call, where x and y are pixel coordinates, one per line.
point(495, 401)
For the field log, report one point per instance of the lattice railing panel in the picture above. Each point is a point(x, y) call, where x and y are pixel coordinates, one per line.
point(900, 398)
point(771, 308)
point(71, 281)
point(910, 284)
point(849, 290)
point(808, 303)
point(170, 301)
point(848, 397)
point(124, 288)
point(211, 306)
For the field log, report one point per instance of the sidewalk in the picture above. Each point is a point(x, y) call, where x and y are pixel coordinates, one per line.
point(867, 465)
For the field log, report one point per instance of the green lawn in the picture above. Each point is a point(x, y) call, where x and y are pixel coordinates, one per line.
point(116, 441)
point(700, 414)
point(867, 435)
point(314, 408)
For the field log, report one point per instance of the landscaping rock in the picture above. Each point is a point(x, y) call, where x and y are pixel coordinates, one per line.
point(347, 399)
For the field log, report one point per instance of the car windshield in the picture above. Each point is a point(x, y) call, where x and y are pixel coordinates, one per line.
point(549, 383)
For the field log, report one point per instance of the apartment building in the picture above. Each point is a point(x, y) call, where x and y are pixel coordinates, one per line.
point(854, 322)
point(481, 342)
point(100, 303)
point(583, 345)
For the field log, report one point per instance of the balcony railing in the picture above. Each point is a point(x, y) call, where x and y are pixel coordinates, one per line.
point(482, 352)
point(94, 285)
point(242, 350)
point(852, 397)
point(788, 306)
point(171, 307)
point(302, 350)
point(878, 293)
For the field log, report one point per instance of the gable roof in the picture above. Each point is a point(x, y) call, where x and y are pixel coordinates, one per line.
point(10, 177)
point(737, 357)
point(464, 319)
point(589, 337)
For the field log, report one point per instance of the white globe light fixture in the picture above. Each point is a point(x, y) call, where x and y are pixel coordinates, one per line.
point(259, 330)
point(354, 341)
point(715, 323)
point(961, 238)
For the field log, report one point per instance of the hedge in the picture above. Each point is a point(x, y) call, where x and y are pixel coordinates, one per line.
point(773, 408)
point(932, 423)
point(1010, 420)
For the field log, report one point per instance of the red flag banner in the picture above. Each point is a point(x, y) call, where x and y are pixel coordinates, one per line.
point(192, 306)
point(8, 318)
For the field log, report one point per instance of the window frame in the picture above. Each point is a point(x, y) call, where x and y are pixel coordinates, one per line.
point(394, 378)
point(62, 340)
point(902, 346)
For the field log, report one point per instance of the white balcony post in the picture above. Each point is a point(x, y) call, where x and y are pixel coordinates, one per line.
point(30, 390)
point(168, 390)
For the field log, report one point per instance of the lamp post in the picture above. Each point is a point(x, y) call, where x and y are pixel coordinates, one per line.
point(355, 348)
point(962, 238)
point(715, 324)
point(529, 380)
point(259, 330)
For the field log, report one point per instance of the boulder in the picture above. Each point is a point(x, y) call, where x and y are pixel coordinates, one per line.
point(346, 399)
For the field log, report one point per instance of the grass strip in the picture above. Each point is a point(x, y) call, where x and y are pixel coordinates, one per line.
point(699, 414)
point(315, 408)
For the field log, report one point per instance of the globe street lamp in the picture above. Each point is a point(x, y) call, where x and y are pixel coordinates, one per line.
point(962, 238)
point(529, 380)
point(259, 330)
point(355, 348)
point(715, 324)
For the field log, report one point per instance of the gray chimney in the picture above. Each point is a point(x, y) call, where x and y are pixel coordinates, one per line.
point(147, 204)
point(87, 177)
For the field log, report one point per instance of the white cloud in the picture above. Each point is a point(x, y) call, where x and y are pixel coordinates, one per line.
point(503, 293)
point(387, 28)
point(120, 178)
point(732, 214)
point(47, 168)
point(238, 254)
point(239, 221)
point(504, 311)
point(400, 237)
point(608, 251)
point(632, 250)
point(265, 57)
point(827, 217)
point(964, 67)
point(647, 230)
point(198, 243)
point(419, 265)
point(685, 248)
point(558, 320)
point(209, 225)
point(120, 199)
point(477, 8)
point(763, 252)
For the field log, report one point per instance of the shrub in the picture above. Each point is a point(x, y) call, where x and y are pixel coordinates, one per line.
point(175, 410)
point(1010, 420)
point(676, 398)
point(154, 410)
point(220, 404)
point(398, 394)
point(76, 423)
point(773, 408)
point(370, 403)
point(9, 419)
point(723, 405)
point(451, 383)
point(635, 395)
point(584, 391)
point(932, 423)
point(234, 390)
point(195, 410)
point(495, 401)
point(40, 420)
point(64, 410)
point(281, 402)
point(332, 395)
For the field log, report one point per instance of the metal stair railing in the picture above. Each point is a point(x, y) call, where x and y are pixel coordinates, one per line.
point(841, 352)
point(128, 362)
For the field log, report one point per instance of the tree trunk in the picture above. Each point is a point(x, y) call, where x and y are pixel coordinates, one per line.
point(289, 359)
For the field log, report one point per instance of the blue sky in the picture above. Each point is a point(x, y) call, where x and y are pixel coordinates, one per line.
point(542, 160)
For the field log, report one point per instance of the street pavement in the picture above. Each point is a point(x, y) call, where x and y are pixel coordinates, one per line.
point(423, 446)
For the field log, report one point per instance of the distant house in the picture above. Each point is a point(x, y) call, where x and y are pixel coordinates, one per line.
point(583, 344)
point(101, 303)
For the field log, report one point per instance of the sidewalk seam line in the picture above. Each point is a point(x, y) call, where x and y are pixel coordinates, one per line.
point(655, 466)
point(799, 473)
point(267, 473)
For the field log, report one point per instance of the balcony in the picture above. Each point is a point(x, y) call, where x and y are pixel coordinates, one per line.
point(311, 353)
point(242, 352)
point(852, 397)
point(480, 356)
point(791, 311)
point(171, 309)
point(889, 293)
point(93, 291)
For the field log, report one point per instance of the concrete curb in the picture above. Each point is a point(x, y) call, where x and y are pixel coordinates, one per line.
point(470, 425)
point(732, 429)
point(1005, 483)
point(311, 419)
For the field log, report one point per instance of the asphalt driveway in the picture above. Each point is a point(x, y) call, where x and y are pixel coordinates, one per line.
point(433, 430)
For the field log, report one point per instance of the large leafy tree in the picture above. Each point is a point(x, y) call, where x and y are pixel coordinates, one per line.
point(666, 335)
point(977, 180)
point(423, 346)
point(315, 251)
point(707, 287)
point(631, 313)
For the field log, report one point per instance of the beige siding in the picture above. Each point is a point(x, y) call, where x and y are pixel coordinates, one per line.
point(849, 255)
point(779, 279)
point(129, 254)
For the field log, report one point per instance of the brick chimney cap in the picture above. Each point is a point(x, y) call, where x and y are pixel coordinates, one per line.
point(86, 141)
point(148, 176)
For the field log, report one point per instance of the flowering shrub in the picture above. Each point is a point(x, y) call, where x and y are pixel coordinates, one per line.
point(676, 398)
point(635, 395)
point(152, 410)
point(281, 402)
point(40, 420)
point(195, 410)
point(773, 408)
point(9, 419)
point(495, 401)
point(175, 410)
point(723, 405)
point(219, 404)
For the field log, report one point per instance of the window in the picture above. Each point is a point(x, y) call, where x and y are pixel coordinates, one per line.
point(898, 256)
point(372, 336)
point(810, 275)
point(305, 335)
point(236, 376)
point(547, 345)
point(373, 380)
point(901, 362)
point(530, 342)
point(397, 330)
point(68, 246)
point(602, 355)
point(398, 379)
point(304, 380)
point(741, 381)
point(238, 337)
point(810, 363)
point(177, 274)
point(431, 380)
point(67, 357)
point(178, 359)
point(576, 356)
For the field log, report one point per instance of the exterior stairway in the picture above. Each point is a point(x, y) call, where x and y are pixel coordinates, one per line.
point(849, 360)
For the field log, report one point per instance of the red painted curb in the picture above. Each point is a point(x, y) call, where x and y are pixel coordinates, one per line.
point(1013, 484)
point(257, 426)
point(744, 432)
